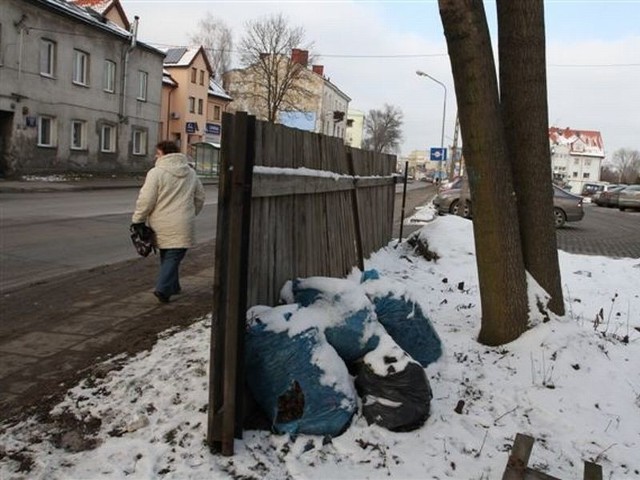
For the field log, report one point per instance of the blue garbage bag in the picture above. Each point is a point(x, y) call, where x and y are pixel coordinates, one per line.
point(348, 318)
point(404, 320)
point(296, 377)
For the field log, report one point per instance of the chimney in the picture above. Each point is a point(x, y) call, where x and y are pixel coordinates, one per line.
point(300, 56)
point(319, 69)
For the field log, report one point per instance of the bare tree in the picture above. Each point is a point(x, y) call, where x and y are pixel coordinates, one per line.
point(523, 100)
point(501, 273)
point(383, 129)
point(627, 165)
point(273, 81)
point(217, 40)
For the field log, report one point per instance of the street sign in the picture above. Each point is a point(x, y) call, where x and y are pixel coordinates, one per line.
point(437, 154)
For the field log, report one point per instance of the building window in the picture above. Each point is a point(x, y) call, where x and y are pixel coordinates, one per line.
point(585, 175)
point(46, 131)
point(194, 73)
point(78, 135)
point(143, 77)
point(139, 142)
point(200, 106)
point(47, 58)
point(108, 138)
point(80, 68)
point(216, 112)
point(109, 76)
point(574, 174)
point(576, 161)
point(192, 104)
point(587, 162)
point(201, 77)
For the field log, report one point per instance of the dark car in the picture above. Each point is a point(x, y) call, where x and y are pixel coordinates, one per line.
point(567, 207)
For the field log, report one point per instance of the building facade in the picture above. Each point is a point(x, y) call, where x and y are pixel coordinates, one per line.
point(354, 135)
point(185, 96)
point(317, 106)
point(78, 91)
point(576, 156)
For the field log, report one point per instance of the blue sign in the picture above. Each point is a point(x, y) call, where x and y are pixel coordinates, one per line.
point(212, 128)
point(191, 127)
point(438, 154)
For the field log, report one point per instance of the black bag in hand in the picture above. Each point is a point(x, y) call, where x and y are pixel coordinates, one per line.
point(143, 238)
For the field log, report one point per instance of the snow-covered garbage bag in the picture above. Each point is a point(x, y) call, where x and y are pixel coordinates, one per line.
point(394, 388)
point(295, 375)
point(402, 318)
point(340, 309)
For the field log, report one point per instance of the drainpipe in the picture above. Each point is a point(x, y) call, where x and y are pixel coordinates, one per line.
point(168, 114)
point(125, 67)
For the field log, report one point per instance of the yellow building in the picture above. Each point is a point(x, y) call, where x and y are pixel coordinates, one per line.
point(185, 96)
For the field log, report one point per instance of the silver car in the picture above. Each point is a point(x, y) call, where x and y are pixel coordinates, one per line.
point(629, 198)
point(567, 207)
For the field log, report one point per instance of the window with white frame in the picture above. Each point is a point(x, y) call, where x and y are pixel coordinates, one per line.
point(139, 142)
point(109, 81)
point(107, 138)
point(192, 104)
point(78, 135)
point(80, 67)
point(47, 58)
point(143, 78)
point(46, 131)
point(585, 175)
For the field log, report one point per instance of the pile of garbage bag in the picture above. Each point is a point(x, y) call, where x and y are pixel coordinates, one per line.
point(336, 344)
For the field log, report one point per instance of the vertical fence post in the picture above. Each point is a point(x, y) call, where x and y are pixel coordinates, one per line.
point(356, 211)
point(226, 367)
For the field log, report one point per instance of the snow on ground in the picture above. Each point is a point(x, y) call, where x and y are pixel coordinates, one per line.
point(573, 383)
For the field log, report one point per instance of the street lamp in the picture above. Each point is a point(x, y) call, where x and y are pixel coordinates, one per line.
point(444, 112)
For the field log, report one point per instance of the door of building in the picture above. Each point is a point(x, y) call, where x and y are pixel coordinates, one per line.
point(6, 122)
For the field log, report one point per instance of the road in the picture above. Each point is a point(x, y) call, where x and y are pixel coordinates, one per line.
point(603, 231)
point(44, 235)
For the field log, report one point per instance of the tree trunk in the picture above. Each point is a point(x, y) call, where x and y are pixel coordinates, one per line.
point(503, 289)
point(523, 98)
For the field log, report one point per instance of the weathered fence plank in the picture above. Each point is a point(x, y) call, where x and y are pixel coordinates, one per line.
point(275, 225)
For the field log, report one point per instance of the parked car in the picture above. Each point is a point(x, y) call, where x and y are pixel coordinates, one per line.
point(567, 207)
point(592, 188)
point(629, 198)
point(608, 197)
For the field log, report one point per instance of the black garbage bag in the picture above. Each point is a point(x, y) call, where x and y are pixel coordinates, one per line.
point(399, 399)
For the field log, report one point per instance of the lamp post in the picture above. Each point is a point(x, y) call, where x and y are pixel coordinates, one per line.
point(444, 113)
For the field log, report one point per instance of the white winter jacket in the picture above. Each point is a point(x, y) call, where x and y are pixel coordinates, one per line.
point(169, 200)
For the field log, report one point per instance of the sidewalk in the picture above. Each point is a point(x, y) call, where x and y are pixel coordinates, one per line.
point(56, 333)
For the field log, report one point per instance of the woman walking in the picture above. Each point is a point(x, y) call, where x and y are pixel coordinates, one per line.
point(169, 200)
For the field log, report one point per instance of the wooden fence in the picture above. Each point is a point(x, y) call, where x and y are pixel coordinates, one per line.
point(291, 204)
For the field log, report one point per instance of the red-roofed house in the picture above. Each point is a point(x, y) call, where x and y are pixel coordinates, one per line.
point(576, 156)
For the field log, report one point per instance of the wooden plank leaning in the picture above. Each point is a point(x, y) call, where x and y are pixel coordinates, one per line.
point(226, 377)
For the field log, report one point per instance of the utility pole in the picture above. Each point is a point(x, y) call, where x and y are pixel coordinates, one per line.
point(454, 151)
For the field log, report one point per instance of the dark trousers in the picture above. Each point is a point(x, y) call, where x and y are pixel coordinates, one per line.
point(168, 282)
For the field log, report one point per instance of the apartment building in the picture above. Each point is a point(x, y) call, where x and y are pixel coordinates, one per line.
point(576, 156)
point(322, 108)
point(185, 96)
point(78, 91)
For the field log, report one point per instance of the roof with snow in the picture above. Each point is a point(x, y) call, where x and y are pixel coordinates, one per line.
point(580, 142)
point(184, 57)
point(89, 12)
point(168, 79)
point(217, 91)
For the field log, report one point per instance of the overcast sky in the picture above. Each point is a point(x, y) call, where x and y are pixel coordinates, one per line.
point(372, 49)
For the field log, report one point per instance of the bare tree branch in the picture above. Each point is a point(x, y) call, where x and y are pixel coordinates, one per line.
point(272, 81)
point(217, 40)
point(383, 129)
point(627, 165)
